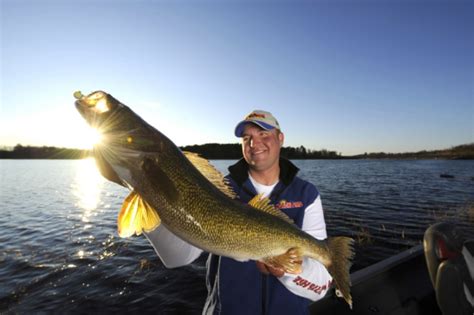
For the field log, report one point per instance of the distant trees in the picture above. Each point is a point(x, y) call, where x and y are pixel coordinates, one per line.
point(460, 152)
point(233, 151)
point(44, 152)
point(302, 153)
point(212, 151)
point(216, 151)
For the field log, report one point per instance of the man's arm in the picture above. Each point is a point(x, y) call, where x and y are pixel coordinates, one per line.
point(173, 251)
point(315, 280)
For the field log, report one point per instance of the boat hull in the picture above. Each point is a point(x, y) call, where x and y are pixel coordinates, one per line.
point(397, 285)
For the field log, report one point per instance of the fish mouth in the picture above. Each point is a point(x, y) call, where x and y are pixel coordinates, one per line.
point(92, 106)
point(81, 108)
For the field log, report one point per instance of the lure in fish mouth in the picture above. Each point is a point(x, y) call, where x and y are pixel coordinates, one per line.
point(190, 197)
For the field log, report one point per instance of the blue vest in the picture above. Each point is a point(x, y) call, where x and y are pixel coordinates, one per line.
point(239, 287)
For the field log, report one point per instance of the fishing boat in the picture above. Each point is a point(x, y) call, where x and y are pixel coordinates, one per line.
point(436, 277)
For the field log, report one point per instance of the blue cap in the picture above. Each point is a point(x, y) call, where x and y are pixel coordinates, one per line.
point(260, 118)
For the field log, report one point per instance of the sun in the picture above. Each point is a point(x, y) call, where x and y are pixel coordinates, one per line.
point(92, 136)
point(80, 135)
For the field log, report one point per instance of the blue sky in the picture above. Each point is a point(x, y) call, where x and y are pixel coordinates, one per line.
point(347, 76)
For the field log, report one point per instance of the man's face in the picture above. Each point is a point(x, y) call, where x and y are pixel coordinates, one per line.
point(260, 147)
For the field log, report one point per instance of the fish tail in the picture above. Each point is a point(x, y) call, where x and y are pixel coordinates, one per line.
point(341, 252)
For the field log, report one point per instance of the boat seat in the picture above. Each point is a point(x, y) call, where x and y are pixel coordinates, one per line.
point(450, 261)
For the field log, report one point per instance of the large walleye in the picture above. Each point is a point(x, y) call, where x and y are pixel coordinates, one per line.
point(186, 194)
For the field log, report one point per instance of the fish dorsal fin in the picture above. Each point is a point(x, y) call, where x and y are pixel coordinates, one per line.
point(263, 204)
point(136, 216)
point(210, 172)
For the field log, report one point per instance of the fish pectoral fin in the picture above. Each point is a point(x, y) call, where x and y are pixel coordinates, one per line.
point(290, 261)
point(263, 204)
point(136, 216)
point(210, 172)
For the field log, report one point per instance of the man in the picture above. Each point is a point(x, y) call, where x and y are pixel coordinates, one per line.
point(253, 287)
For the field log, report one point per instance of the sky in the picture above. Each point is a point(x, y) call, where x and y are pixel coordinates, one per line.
point(347, 76)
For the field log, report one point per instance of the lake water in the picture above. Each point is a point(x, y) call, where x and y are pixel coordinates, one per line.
point(59, 250)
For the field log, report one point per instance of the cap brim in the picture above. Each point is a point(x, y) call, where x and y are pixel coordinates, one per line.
point(241, 126)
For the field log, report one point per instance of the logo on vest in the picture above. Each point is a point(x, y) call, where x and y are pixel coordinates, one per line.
point(283, 204)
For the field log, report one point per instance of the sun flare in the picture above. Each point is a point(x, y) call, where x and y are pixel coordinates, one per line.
point(73, 132)
point(92, 136)
point(87, 137)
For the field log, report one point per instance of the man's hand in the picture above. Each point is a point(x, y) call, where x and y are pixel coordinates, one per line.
point(267, 269)
point(272, 270)
point(275, 265)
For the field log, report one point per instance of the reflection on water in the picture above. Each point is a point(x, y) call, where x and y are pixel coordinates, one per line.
point(87, 186)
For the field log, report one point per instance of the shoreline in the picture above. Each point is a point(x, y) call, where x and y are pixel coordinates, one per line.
point(215, 151)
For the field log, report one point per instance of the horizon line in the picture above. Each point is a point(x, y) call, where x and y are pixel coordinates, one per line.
point(6, 148)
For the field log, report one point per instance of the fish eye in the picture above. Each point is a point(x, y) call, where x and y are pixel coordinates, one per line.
point(101, 105)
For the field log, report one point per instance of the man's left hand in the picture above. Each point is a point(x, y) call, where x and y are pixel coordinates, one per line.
point(267, 269)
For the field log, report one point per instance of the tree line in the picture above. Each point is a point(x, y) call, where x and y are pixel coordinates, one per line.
point(460, 152)
point(44, 152)
point(211, 151)
point(233, 151)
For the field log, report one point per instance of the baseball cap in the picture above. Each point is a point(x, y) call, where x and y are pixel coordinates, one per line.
point(260, 118)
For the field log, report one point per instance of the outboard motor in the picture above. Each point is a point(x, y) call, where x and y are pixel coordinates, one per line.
point(450, 261)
